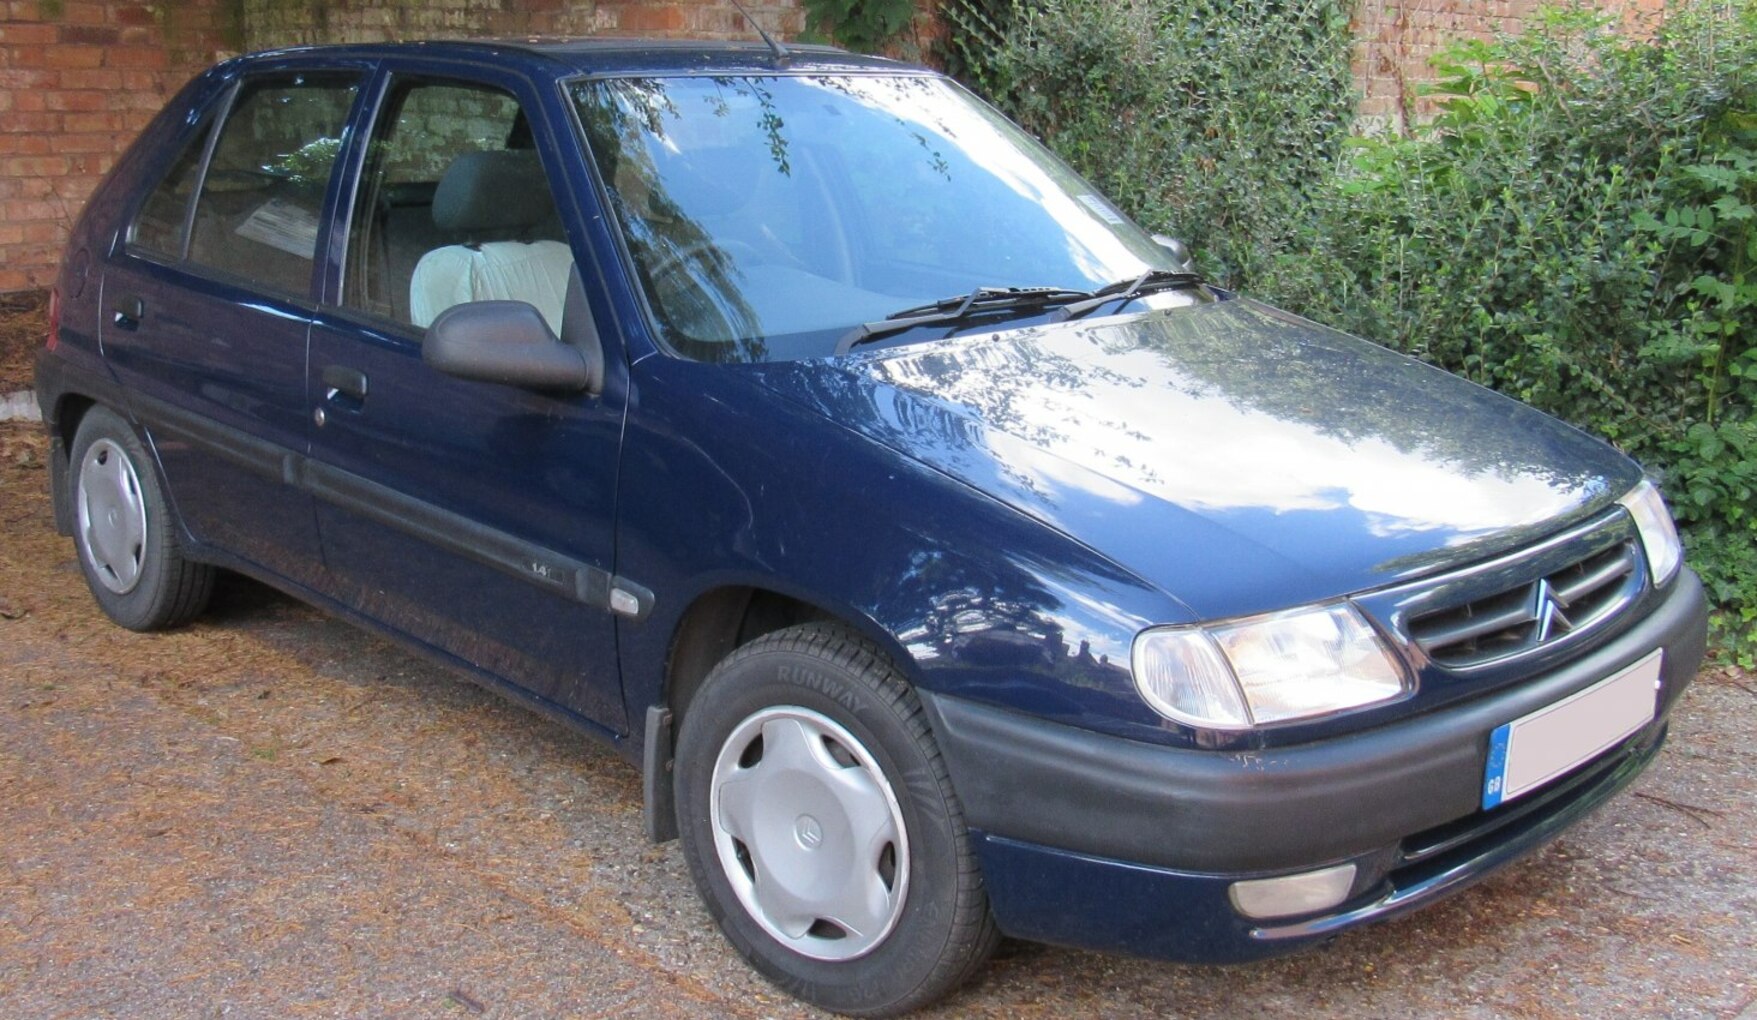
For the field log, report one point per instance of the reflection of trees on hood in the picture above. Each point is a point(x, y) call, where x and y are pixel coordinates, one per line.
point(1219, 409)
point(1258, 358)
point(1254, 358)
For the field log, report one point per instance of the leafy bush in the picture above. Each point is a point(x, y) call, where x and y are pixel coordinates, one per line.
point(1218, 118)
point(865, 26)
point(1576, 227)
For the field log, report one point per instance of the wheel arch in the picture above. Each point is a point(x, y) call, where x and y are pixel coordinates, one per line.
point(63, 425)
point(717, 622)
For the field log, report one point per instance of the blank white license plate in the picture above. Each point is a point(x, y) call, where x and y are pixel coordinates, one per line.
point(1530, 751)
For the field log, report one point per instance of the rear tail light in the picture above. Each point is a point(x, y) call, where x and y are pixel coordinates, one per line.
point(53, 340)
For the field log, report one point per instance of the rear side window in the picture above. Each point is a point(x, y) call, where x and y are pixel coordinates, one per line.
point(261, 198)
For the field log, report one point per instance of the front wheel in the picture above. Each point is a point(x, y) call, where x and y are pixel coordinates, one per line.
point(822, 829)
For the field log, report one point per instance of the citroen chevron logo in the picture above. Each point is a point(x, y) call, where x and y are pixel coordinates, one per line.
point(1547, 610)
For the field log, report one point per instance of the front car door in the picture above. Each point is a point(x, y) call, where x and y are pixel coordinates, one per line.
point(473, 517)
point(208, 298)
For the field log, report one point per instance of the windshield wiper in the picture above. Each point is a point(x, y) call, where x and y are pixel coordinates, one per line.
point(981, 301)
point(1127, 290)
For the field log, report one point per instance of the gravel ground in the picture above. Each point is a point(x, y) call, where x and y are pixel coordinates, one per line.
point(269, 813)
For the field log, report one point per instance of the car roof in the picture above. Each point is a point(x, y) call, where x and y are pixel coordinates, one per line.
point(566, 57)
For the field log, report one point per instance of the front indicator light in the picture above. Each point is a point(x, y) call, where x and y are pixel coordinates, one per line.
point(1293, 894)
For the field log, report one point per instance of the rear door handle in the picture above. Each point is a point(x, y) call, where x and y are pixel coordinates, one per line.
point(128, 311)
point(343, 381)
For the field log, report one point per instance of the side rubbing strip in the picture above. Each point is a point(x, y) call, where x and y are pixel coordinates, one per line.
point(255, 455)
point(458, 534)
point(545, 568)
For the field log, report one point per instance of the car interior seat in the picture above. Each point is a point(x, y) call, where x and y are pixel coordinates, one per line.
point(499, 203)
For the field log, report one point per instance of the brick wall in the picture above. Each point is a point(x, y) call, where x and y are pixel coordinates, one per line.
point(289, 22)
point(1395, 40)
point(78, 79)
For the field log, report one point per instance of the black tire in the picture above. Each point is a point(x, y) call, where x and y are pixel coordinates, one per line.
point(941, 929)
point(128, 546)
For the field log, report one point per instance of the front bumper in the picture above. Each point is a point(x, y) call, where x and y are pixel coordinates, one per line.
point(1103, 843)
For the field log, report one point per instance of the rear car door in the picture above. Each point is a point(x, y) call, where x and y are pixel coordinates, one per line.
point(471, 516)
point(207, 304)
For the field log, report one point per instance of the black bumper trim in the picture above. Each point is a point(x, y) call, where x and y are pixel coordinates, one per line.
point(1264, 811)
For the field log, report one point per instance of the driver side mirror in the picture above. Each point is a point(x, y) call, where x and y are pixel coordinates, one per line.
point(1182, 260)
point(508, 342)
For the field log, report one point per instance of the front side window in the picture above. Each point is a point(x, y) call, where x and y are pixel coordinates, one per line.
point(767, 215)
point(261, 198)
point(453, 207)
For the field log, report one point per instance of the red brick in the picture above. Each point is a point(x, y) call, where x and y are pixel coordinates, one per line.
point(29, 35)
point(123, 102)
point(28, 79)
point(52, 232)
point(133, 14)
point(87, 101)
point(25, 121)
point(77, 189)
point(91, 35)
point(94, 122)
point(142, 81)
point(15, 280)
point(86, 142)
point(651, 19)
point(25, 57)
point(35, 166)
point(94, 78)
point(73, 56)
point(29, 102)
point(77, 13)
point(11, 233)
point(137, 56)
point(24, 210)
point(35, 187)
point(25, 145)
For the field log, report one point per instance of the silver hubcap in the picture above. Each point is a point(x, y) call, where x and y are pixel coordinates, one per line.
point(809, 833)
point(112, 517)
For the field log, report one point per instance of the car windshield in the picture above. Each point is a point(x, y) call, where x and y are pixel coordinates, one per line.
point(767, 216)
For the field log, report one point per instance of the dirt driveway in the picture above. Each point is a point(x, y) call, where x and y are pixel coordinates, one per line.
point(271, 814)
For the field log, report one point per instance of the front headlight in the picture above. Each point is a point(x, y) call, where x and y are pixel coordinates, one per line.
point(1293, 665)
point(1658, 535)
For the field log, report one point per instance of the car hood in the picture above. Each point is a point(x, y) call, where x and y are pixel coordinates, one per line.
point(1239, 457)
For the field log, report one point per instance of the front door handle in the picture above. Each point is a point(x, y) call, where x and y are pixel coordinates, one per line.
point(127, 311)
point(343, 381)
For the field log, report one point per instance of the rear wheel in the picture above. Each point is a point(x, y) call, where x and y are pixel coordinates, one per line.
point(822, 829)
point(128, 548)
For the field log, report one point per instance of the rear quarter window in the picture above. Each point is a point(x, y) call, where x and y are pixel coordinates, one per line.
point(159, 227)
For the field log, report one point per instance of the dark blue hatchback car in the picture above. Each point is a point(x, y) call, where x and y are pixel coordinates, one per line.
point(952, 559)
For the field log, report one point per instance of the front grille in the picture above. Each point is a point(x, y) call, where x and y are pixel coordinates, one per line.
point(1557, 606)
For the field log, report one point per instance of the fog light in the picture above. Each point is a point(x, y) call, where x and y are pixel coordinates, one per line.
point(1293, 894)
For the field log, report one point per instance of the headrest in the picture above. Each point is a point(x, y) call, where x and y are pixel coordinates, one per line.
point(498, 192)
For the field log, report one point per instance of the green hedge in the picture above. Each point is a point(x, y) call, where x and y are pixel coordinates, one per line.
point(1575, 227)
